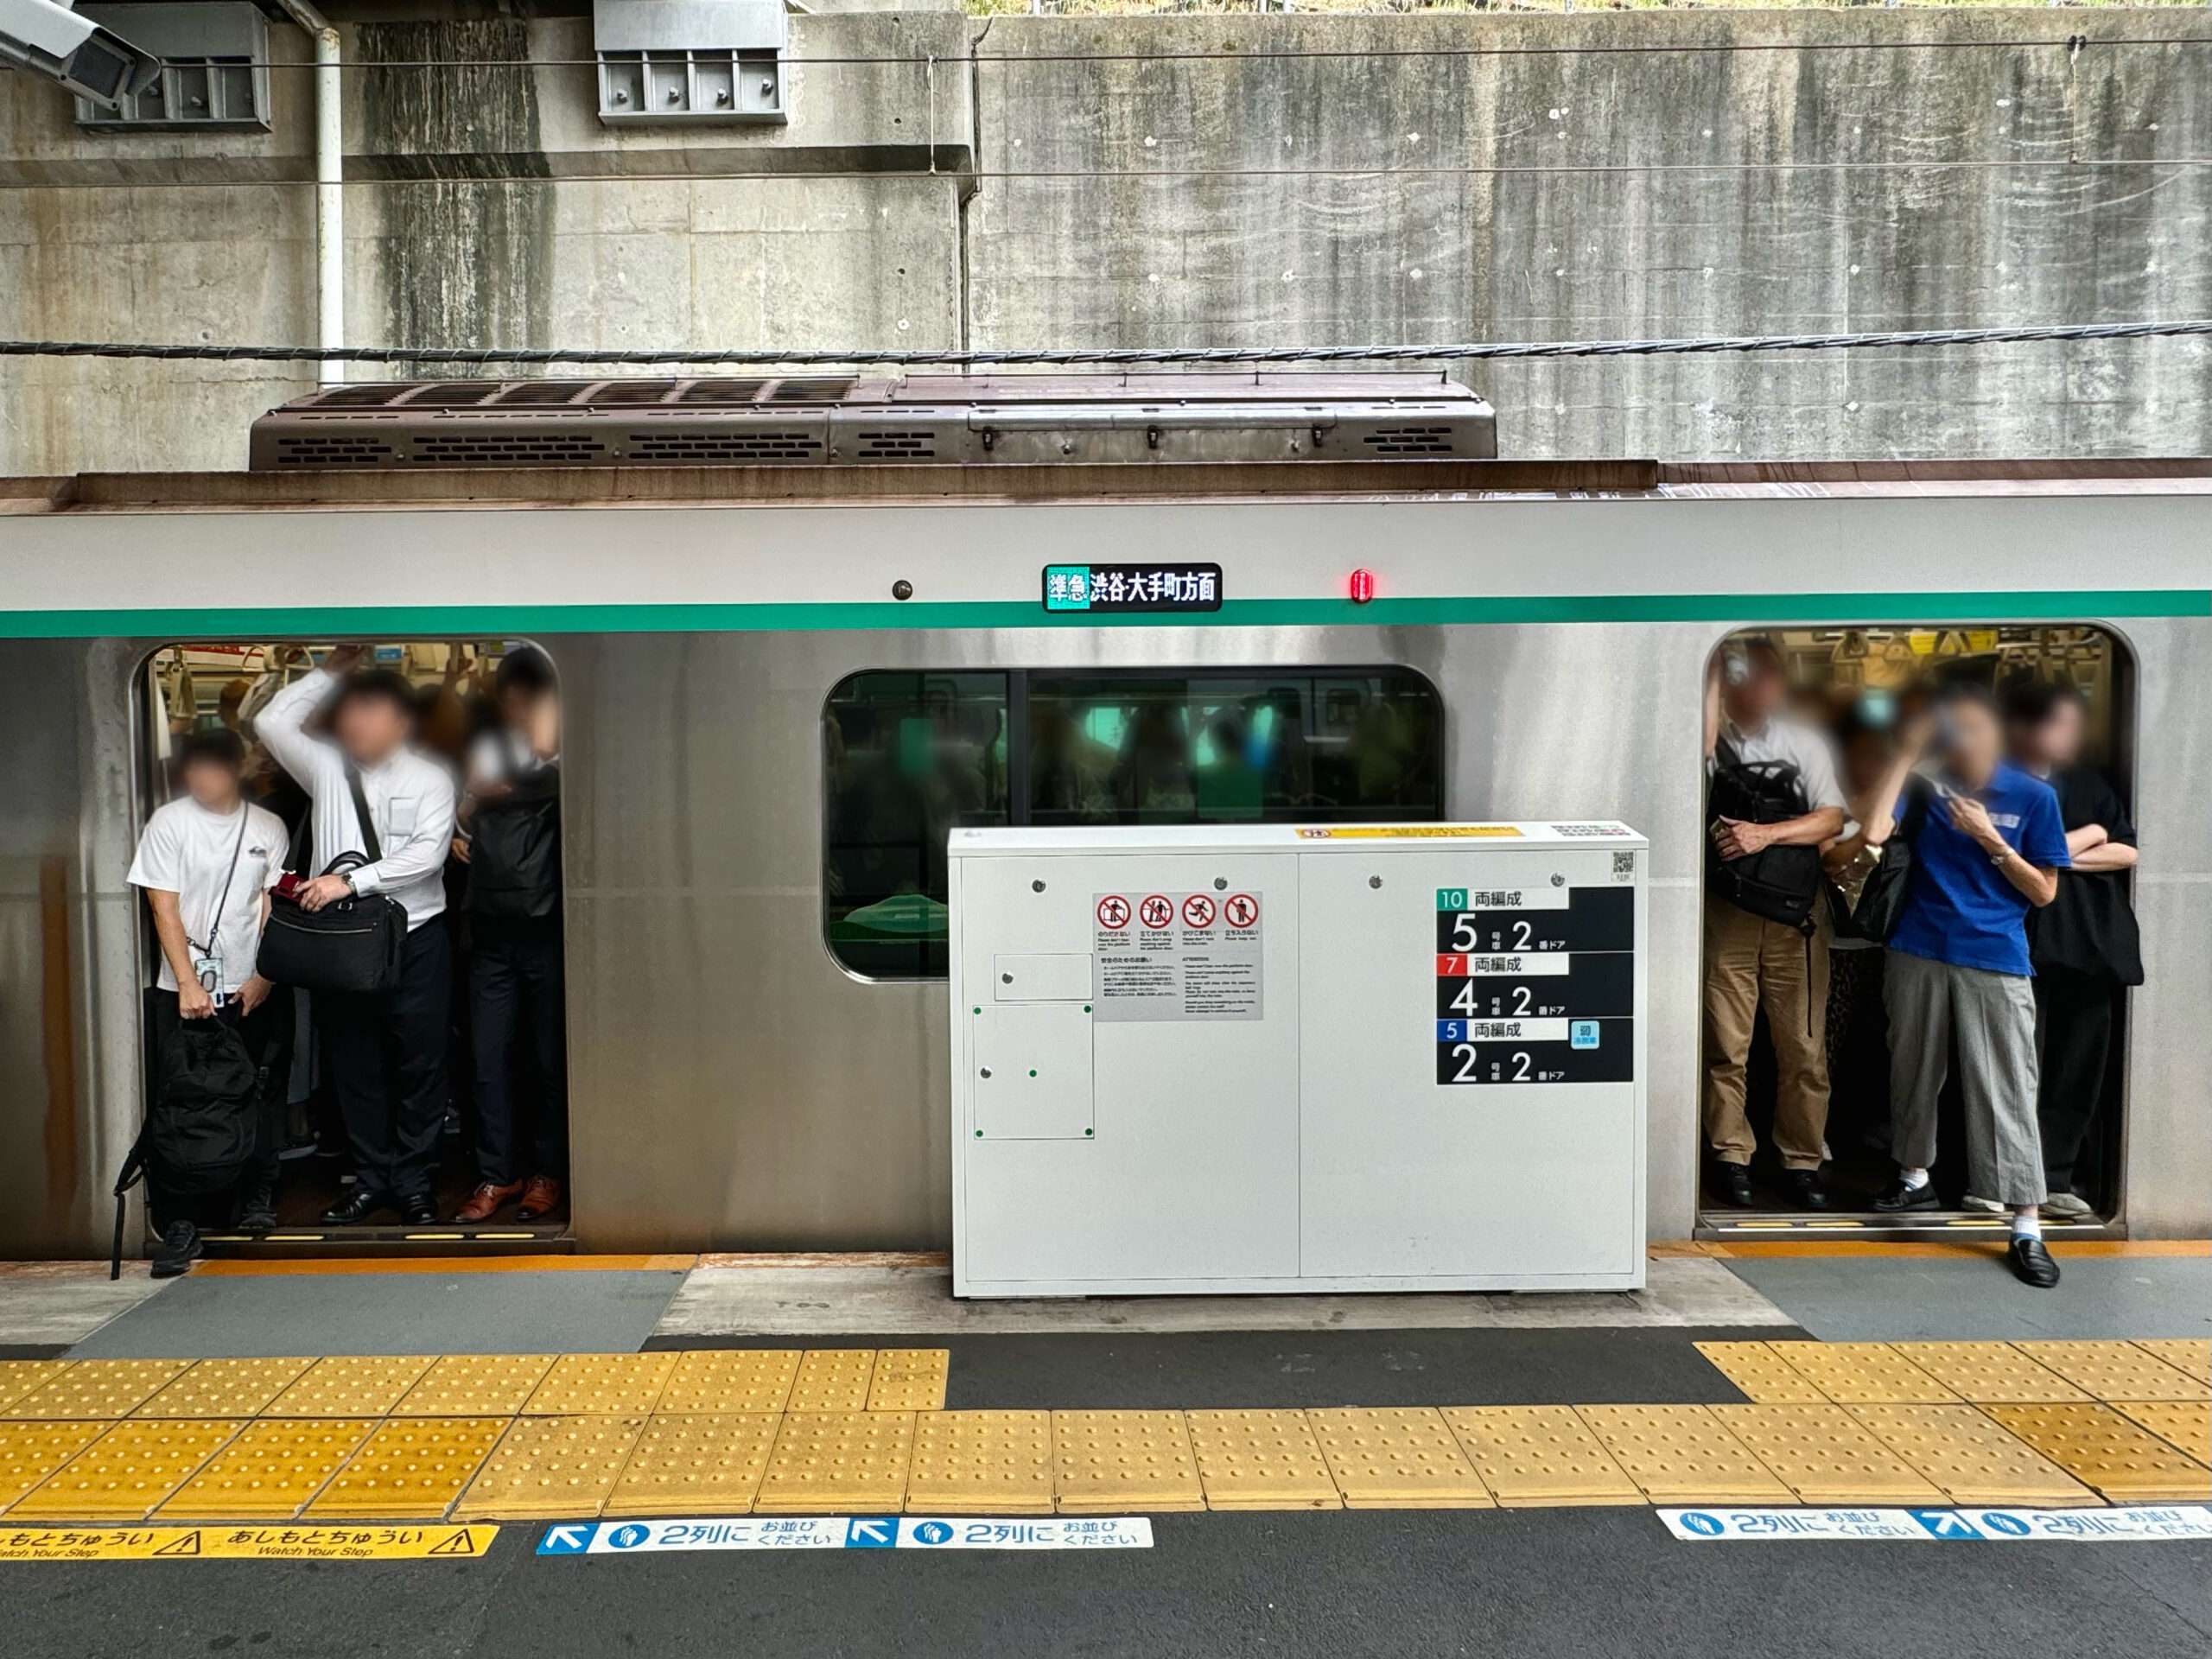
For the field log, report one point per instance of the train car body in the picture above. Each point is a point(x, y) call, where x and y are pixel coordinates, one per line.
point(735, 1085)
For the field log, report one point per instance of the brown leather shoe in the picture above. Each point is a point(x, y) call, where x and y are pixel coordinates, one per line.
point(541, 1195)
point(486, 1200)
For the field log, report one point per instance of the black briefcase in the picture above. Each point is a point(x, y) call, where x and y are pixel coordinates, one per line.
point(353, 946)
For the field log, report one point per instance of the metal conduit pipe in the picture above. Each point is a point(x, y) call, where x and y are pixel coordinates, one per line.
point(329, 186)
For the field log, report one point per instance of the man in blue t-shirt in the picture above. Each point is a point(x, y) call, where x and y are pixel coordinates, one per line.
point(1987, 845)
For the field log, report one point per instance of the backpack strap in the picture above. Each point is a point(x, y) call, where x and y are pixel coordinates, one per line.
point(133, 1171)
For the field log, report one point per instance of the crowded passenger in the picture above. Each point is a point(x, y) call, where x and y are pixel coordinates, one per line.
point(374, 797)
point(2083, 945)
point(206, 862)
point(511, 841)
point(1857, 1033)
point(1773, 803)
point(1987, 847)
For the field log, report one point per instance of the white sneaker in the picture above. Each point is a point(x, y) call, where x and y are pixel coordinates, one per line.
point(1984, 1206)
point(2064, 1206)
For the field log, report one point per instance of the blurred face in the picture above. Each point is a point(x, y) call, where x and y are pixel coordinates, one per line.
point(516, 704)
point(212, 783)
point(1762, 691)
point(2058, 739)
point(1974, 740)
point(371, 729)
point(1865, 758)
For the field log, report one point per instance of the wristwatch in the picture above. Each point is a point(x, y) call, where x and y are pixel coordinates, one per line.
point(347, 876)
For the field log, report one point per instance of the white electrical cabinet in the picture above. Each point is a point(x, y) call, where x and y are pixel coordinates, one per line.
point(1270, 1058)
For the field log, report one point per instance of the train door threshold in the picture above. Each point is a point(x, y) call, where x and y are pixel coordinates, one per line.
point(1951, 1227)
point(296, 1243)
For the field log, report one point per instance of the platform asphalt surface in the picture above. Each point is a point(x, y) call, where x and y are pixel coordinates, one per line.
point(1402, 1583)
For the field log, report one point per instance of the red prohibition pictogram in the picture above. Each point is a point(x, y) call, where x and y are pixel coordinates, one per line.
point(1155, 911)
point(1241, 910)
point(1113, 911)
point(1198, 911)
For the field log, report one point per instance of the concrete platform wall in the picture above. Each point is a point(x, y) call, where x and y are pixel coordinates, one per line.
point(1372, 181)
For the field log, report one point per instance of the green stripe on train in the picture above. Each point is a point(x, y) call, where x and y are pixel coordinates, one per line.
point(435, 621)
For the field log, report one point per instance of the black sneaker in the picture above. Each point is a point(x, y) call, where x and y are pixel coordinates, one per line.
point(257, 1214)
point(1897, 1196)
point(2030, 1262)
point(1734, 1184)
point(1805, 1189)
point(179, 1249)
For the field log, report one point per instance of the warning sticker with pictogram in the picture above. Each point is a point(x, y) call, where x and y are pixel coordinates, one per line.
point(1180, 963)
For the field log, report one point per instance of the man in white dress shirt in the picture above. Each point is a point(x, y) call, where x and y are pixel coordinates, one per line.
point(384, 1053)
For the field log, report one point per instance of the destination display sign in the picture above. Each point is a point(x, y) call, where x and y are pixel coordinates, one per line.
point(1115, 587)
point(1536, 985)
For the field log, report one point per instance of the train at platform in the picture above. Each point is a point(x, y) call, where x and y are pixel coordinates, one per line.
point(804, 626)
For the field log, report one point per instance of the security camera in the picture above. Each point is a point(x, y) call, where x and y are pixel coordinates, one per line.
point(48, 38)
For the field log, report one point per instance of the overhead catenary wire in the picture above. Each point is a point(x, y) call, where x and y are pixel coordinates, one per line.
point(1128, 356)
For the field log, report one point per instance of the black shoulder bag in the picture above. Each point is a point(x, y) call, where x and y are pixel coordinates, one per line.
point(1881, 900)
point(1780, 883)
point(354, 945)
point(514, 858)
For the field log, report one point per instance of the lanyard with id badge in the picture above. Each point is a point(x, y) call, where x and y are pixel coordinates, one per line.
point(207, 959)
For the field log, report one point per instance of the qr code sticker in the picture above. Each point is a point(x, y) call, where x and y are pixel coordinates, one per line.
point(1623, 867)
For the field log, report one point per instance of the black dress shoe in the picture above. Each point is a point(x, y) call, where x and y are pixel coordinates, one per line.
point(1897, 1196)
point(1734, 1183)
point(1805, 1189)
point(419, 1211)
point(2030, 1262)
point(353, 1211)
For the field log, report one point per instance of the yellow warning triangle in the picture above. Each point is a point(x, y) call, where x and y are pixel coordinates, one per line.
point(188, 1545)
point(463, 1543)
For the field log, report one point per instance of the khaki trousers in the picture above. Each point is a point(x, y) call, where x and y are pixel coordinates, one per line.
point(1751, 963)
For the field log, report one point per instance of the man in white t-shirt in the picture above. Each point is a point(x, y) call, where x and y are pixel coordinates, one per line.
point(205, 864)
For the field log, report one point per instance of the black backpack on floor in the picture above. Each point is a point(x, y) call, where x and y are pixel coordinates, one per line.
point(199, 1133)
point(1781, 883)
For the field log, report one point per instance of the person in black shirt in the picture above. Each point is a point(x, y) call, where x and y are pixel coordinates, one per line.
point(2084, 945)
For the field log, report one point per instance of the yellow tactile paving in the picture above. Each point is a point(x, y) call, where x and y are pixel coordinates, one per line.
point(20, 1376)
point(909, 1379)
point(837, 1463)
point(410, 1469)
point(2192, 1354)
point(1971, 1459)
point(721, 1380)
point(1682, 1454)
point(1397, 1457)
point(833, 1379)
point(350, 1385)
point(270, 1470)
point(226, 1388)
point(2117, 1370)
point(1992, 1373)
point(1534, 1457)
point(1107, 1461)
point(2102, 1449)
point(95, 1389)
point(2186, 1424)
point(475, 1385)
point(126, 1471)
point(551, 1468)
point(30, 1453)
point(982, 1463)
point(1762, 1374)
point(704, 1462)
point(1260, 1460)
point(621, 1385)
point(1862, 1374)
point(1825, 1455)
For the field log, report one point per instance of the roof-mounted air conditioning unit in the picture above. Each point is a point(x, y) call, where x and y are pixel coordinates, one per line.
point(690, 59)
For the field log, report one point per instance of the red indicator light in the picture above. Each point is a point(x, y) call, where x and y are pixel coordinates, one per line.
point(1362, 586)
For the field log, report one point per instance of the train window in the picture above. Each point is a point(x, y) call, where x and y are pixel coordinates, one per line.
point(908, 756)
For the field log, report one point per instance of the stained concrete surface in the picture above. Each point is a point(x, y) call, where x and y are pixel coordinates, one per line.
point(1975, 1297)
point(206, 1317)
point(1596, 1584)
point(1681, 1291)
point(52, 1305)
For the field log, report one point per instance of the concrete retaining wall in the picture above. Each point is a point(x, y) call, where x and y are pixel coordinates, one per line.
point(1374, 180)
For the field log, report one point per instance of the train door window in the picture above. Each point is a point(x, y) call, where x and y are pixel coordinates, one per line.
point(908, 756)
point(489, 713)
point(1850, 690)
